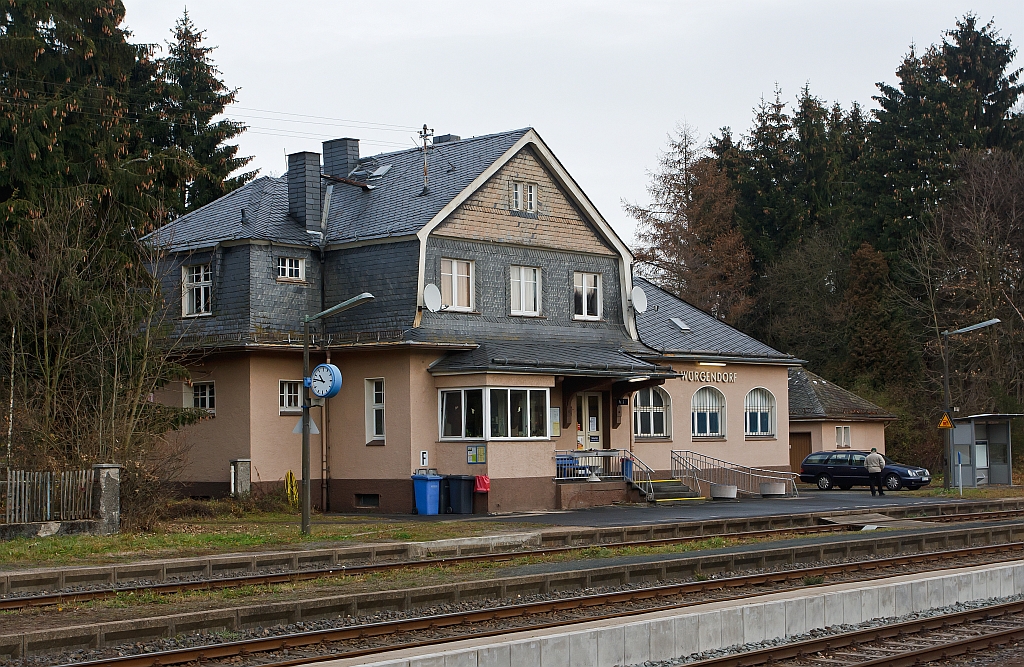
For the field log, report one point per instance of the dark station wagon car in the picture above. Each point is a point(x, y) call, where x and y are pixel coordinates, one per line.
point(846, 469)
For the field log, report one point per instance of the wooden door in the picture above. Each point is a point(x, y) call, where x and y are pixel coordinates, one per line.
point(590, 425)
point(799, 449)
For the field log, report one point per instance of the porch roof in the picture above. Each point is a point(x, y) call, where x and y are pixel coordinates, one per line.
point(550, 357)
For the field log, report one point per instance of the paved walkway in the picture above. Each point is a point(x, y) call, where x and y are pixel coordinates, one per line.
point(634, 515)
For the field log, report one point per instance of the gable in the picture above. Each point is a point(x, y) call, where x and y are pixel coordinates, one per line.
point(487, 214)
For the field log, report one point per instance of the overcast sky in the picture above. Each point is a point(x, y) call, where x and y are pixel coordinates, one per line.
point(602, 82)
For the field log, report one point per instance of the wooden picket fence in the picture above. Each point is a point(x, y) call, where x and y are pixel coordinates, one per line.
point(48, 496)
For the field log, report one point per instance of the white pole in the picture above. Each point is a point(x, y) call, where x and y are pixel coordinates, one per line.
point(960, 473)
point(10, 408)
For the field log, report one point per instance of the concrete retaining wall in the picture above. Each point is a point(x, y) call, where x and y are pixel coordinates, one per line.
point(666, 635)
point(39, 579)
point(651, 571)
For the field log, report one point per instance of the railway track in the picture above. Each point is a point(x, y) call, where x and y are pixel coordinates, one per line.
point(902, 644)
point(12, 603)
point(351, 641)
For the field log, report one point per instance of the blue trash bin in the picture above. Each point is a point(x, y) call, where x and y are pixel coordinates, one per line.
point(427, 489)
point(627, 469)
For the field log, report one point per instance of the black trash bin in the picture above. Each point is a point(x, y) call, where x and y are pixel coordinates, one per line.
point(444, 505)
point(460, 493)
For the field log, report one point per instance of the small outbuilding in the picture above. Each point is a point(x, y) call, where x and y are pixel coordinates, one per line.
point(985, 448)
point(824, 416)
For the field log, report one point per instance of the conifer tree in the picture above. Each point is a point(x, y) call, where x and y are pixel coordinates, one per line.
point(71, 90)
point(956, 96)
point(193, 95)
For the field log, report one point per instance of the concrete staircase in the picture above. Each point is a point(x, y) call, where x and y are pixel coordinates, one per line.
point(671, 490)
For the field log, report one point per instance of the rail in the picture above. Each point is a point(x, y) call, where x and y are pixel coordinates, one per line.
point(47, 496)
point(697, 470)
point(640, 475)
point(589, 464)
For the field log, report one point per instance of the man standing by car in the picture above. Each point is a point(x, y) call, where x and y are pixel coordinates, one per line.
point(874, 463)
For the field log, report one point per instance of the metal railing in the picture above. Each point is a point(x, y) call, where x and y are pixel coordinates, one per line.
point(46, 496)
point(699, 470)
point(583, 464)
point(640, 475)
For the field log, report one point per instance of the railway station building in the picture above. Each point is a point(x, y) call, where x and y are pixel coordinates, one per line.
point(544, 344)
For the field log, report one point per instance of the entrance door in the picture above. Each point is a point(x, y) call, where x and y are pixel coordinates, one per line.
point(799, 449)
point(589, 427)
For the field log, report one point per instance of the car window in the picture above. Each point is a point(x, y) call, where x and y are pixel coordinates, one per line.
point(888, 461)
point(839, 459)
point(817, 458)
point(857, 459)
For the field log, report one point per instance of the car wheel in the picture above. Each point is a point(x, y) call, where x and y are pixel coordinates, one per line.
point(824, 482)
point(892, 482)
point(846, 487)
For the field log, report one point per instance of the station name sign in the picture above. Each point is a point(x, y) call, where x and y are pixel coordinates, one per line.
point(707, 376)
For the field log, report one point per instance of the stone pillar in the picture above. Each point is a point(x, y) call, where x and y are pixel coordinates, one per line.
point(107, 498)
point(241, 477)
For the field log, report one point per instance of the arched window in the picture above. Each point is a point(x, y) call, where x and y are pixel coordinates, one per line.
point(651, 413)
point(708, 413)
point(759, 408)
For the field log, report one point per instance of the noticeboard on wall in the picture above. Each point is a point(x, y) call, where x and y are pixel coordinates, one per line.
point(476, 454)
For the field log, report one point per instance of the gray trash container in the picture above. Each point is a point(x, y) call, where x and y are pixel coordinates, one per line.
point(460, 493)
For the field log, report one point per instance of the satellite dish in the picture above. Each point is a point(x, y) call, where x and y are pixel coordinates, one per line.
point(639, 299)
point(432, 297)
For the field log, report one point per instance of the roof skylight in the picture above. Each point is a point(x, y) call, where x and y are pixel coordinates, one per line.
point(683, 326)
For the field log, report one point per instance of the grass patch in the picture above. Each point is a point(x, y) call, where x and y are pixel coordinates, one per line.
point(813, 580)
point(255, 531)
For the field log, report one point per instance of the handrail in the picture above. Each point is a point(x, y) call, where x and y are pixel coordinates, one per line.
point(703, 468)
point(646, 483)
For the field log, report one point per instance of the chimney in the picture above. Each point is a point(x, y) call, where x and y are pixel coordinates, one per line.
point(341, 157)
point(446, 138)
point(304, 189)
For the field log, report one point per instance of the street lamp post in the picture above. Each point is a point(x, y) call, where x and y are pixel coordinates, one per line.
point(333, 310)
point(945, 390)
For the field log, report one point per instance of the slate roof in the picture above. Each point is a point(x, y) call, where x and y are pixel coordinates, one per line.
point(561, 358)
point(394, 207)
point(707, 335)
point(813, 397)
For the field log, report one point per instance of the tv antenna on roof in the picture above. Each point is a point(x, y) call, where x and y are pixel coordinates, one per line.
point(425, 134)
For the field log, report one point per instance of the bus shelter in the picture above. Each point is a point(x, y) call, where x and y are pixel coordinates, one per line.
point(982, 450)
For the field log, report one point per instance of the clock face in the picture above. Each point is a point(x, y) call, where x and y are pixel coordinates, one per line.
point(325, 381)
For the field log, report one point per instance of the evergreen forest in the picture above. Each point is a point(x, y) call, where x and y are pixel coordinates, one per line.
point(852, 237)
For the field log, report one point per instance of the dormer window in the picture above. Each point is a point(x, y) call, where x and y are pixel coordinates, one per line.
point(524, 197)
point(291, 269)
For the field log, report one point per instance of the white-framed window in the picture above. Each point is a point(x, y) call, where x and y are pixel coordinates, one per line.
point(651, 417)
point(526, 295)
point(843, 437)
point(759, 412)
point(462, 413)
point(586, 297)
point(203, 396)
point(524, 196)
point(291, 268)
point(708, 413)
point(197, 290)
point(374, 409)
point(511, 413)
point(288, 392)
point(457, 284)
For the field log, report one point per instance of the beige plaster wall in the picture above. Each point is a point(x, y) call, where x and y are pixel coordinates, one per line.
point(215, 441)
point(735, 446)
point(275, 449)
point(863, 435)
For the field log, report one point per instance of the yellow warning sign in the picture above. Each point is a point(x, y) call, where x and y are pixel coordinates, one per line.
point(945, 422)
